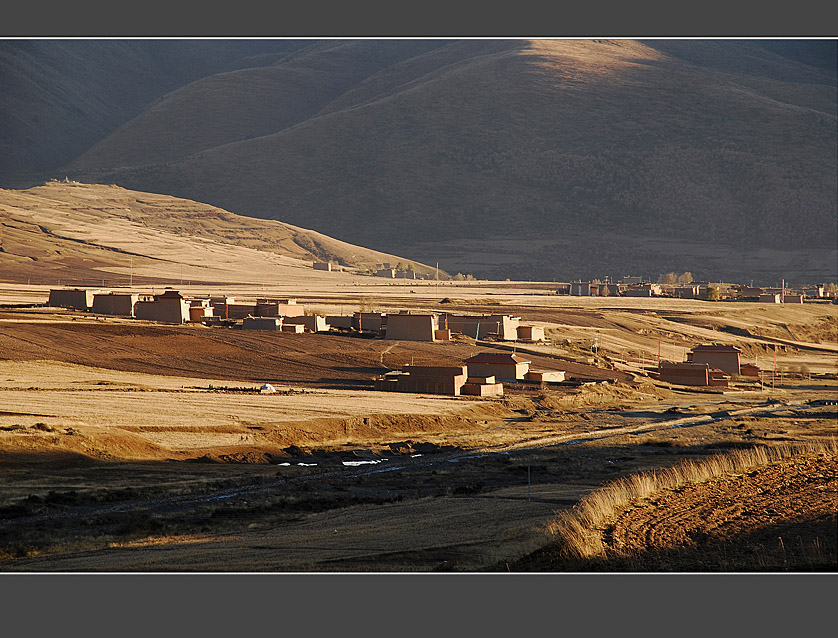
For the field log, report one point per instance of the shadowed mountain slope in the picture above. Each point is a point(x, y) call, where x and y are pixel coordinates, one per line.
point(529, 159)
point(60, 97)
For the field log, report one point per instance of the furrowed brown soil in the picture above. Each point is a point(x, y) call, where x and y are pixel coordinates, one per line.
point(779, 517)
point(219, 353)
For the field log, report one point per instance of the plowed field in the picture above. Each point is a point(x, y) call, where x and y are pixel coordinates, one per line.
point(227, 353)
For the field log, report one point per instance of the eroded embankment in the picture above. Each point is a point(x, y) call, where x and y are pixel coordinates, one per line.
point(241, 442)
point(760, 509)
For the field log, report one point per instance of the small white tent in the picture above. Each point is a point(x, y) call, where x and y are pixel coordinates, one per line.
point(267, 389)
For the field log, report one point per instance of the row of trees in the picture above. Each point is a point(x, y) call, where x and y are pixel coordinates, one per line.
point(672, 278)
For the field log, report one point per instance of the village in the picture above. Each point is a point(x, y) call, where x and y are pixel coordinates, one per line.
point(711, 365)
point(281, 408)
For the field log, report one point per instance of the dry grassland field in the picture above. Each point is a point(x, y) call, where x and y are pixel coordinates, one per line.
point(128, 445)
point(133, 446)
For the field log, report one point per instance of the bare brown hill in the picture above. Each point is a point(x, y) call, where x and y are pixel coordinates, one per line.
point(87, 233)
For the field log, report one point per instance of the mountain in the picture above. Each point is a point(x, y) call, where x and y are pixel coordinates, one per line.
point(60, 97)
point(87, 234)
point(533, 159)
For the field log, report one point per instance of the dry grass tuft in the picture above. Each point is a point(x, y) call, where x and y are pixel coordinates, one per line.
point(579, 531)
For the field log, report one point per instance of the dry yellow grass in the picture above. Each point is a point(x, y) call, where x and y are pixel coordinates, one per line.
point(579, 530)
point(134, 415)
point(99, 232)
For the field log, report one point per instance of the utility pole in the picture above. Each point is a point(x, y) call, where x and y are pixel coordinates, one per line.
point(131, 285)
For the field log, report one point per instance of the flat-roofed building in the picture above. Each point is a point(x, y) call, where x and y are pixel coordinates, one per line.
point(505, 327)
point(294, 328)
point(262, 323)
point(75, 298)
point(750, 370)
point(369, 321)
point(312, 323)
point(482, 387)
point(200, 309)
point(504, 366)
point(545, 376)
point(580, 289)
point(750, 292)
point(240, 310)
point(323, 265)
point(606, 290)
point(769, 297)
point(794, 298)
point(816, 291)
point(197, 314)
point(686, 292)
point(278, 308)
point(530, 333)
point(411, 327)
point(339, 321)
point(448, 380)
point(642, 290)
point(220, 305)
point(170, 307)
point(716, 355)
point(115, 303)
point(684, 373)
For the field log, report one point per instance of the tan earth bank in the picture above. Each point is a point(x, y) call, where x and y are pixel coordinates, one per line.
point(128, 445)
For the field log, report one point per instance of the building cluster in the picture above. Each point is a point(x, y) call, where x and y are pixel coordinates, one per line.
point(709, 365)
point(635, 287)
point(437, 326)
point(481, 375)
point(386, 270)
point(287, 315)
point(172, 307)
